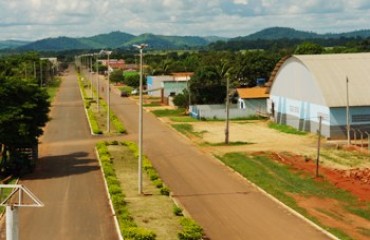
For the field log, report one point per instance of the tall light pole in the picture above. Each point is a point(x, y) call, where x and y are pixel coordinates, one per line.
point(108, 53)
point(347, 115)
point(91, 81)
point(140, 160)
point(97, 81)
point(227, 110)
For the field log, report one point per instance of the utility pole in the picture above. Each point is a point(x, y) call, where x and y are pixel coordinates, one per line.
point(97, 82)
point(227, 110)
point(140, 160)
point(91, 86)
point(347, 113)
point(318, 147)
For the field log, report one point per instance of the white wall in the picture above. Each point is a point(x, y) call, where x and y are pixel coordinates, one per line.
point(295, 81)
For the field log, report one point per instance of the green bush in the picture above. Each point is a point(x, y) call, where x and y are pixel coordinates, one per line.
point(177, 211)
point(94, 123)
point(190, 230)
point(137, 233)
point(114, 189)
point(165, 191)
point(158, 183)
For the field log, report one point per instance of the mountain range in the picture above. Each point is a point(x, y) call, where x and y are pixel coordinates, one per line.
point(124, 40)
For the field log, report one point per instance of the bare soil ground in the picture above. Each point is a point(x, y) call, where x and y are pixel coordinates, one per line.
point(348, 169)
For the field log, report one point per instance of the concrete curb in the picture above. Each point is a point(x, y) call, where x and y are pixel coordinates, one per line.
point(109, 198)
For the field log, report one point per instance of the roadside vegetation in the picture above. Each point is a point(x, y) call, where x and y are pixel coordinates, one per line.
point(287, 185)
point(97, 114)
point(285, 129)
point(24, 112)
point(140, 216)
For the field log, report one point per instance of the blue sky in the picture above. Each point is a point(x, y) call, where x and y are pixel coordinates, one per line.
point(37, 19)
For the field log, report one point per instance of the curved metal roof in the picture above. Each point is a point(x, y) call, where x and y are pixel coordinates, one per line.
point(330, 72)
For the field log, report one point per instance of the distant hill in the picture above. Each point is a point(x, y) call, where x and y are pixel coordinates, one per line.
point(12, 44)
point(116, 40)
point(124, 40)
point(275, 33)
point(167, 42)
point(55, 44)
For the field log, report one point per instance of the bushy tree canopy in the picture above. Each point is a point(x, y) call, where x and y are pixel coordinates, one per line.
point(24, 110)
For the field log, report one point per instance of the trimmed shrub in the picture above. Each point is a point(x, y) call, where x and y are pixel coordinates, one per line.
point(138, 233)
point(165, 191)
point(190, 230)
point(158, 183)
point(177, 211)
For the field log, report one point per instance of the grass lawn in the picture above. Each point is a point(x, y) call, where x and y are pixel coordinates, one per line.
point(285, 129)
point(278, 180)
point(52, 88)
point(187, 129)
point(169, 112)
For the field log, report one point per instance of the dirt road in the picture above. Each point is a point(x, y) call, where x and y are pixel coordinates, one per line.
point(225, 205)
point(67, 178)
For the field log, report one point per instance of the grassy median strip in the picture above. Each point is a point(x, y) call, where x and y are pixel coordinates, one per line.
point(128, 227)
point(279, 181)
point(152, 215)
point(98, 114)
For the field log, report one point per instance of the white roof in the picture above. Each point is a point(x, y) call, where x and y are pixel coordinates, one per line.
point(331, 71)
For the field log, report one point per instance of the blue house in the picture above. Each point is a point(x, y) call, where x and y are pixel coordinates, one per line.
point(304, 88)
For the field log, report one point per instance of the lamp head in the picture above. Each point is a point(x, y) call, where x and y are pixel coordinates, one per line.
point(140, 46)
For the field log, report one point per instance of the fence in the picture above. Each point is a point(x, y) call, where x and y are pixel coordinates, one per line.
point(219, 112)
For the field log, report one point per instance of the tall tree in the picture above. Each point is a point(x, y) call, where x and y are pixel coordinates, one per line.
point(24, 111)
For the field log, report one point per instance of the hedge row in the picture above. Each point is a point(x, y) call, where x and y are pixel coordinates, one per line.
point(128, 227)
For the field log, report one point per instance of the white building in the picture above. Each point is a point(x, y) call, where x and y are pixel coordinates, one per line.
point(305, 87)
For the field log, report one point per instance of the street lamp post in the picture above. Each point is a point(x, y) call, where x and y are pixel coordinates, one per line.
point(97, 81)
point(108, 53)
point(91, 81)
point(140, 160)
point(227, 110)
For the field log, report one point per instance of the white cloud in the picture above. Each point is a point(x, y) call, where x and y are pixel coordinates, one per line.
point(35, 19)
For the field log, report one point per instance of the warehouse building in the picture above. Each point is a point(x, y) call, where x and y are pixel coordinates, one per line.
point(336, 87)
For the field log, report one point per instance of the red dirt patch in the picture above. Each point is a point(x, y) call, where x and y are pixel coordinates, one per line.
point(356, 181)
point(332, 214)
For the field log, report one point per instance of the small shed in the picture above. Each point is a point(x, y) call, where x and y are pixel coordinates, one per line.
point(254, 99)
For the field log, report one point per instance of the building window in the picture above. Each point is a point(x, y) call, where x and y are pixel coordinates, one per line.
point(361, 118)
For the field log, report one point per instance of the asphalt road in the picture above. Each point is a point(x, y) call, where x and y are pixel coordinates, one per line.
point(225, 205)
point(67, 178)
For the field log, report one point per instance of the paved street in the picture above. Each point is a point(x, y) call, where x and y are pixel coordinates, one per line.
point(67, 178)
point(69, 182)
point(226, 205)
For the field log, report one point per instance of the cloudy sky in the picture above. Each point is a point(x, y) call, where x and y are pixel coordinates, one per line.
point(37, 19)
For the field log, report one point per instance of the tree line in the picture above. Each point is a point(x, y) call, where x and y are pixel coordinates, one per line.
point(24, 108)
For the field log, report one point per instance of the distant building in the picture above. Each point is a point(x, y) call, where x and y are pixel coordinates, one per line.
point(170, 84)
point(254, 99)
point(114, 64)
point(306, 87)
